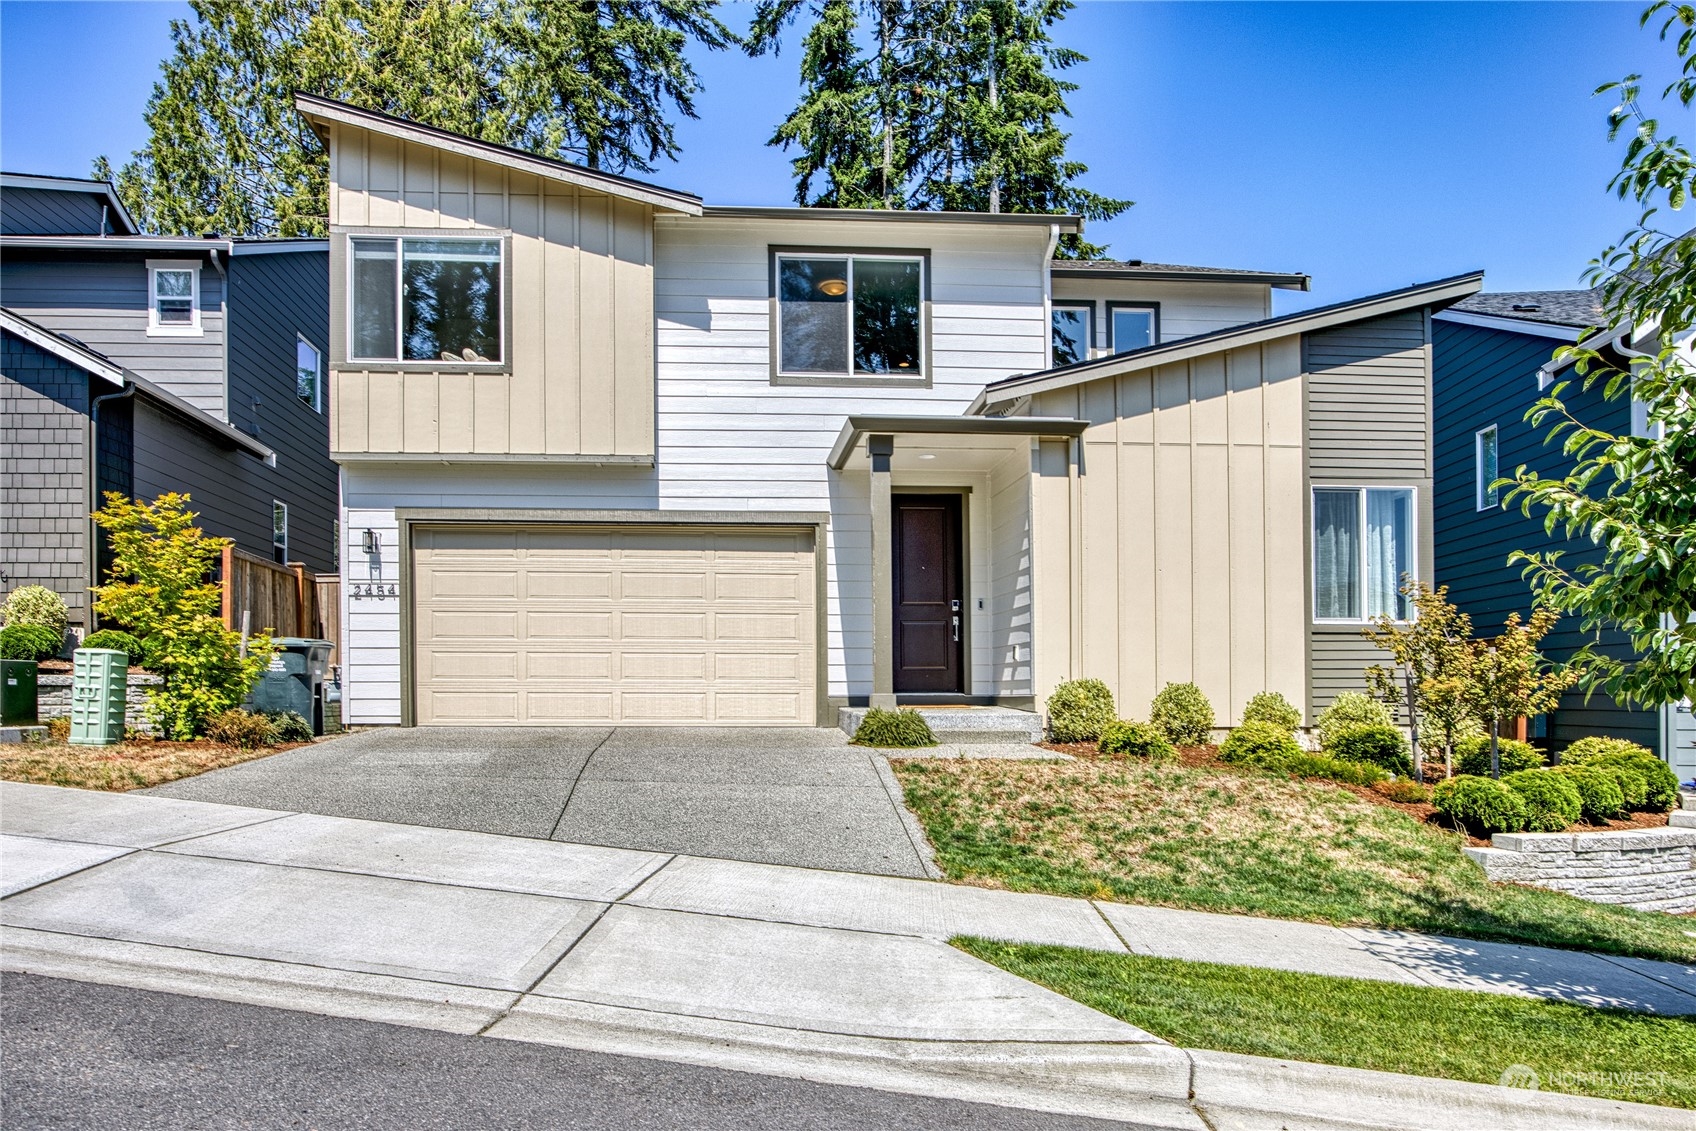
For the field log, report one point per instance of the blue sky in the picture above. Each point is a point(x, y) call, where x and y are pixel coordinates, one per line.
point(1370, 145)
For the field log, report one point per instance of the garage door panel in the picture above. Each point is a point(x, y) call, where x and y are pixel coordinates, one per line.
point(574, 626)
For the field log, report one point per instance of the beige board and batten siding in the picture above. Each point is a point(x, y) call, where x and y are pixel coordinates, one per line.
point(1173, 551)
point(579, 383)
point(1368, 424)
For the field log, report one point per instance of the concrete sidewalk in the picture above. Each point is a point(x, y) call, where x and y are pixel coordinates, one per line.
point(828, 976)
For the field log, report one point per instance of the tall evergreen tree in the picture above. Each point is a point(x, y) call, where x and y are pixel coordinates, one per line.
point(593, 82)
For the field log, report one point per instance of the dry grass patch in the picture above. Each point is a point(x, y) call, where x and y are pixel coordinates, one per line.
point(1217, 838)
point(132, 764)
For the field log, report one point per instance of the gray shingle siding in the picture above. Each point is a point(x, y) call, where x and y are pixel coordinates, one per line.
point(43, 486)
point(1487, 376)
point(1368, 404)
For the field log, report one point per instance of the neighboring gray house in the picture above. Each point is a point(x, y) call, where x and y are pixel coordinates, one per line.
point(144, 364)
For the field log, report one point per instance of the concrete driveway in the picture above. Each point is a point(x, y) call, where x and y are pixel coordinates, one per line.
point(778, 796)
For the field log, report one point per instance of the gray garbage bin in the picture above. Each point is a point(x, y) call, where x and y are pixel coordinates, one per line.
point(295, 680)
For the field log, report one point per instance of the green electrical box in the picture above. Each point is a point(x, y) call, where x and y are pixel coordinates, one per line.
point(99, 686)
point(17, 693)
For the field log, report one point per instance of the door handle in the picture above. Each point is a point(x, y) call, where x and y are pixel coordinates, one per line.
point(956, 621)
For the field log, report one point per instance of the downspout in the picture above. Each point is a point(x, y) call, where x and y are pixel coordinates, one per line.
point(1048, 294)
point(92, 474)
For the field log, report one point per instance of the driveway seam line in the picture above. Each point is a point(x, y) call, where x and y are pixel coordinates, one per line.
point(575, 781)
point(909, 823)
point(551, 967)
point(643, 882)
point(77, 872)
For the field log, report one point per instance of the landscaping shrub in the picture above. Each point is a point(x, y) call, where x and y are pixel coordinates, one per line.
point(1660, 784)
point(1381, 746)
point(1260, 744)
point(29, 642)
point(1405, 790)
point(1481, 805)
point(59, 728)
point(1472, 755)
point(904, 727)
point(1305, 765)
point(117, 641)
point(1351, 709)
point(1184, 714)
point(1551, 801)
point(37, 605)
point(1599, 795)
point(1271, 707)
point(1138, 740)
point(1079, 710)
point(242, 729)
point(289, 726)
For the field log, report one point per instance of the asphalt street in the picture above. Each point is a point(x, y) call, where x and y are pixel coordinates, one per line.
point(78, 1055)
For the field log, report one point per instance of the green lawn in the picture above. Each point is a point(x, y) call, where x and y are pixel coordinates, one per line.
point(1457, 1034)
point(1227, 840)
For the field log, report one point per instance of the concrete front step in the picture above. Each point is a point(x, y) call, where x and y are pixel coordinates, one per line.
point(1682, 818)
point(963, 726)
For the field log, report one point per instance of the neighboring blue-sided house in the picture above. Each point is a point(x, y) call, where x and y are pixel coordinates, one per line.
point(1492, 361)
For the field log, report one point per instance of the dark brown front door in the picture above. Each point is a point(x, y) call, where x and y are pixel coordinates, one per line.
point(929, 602)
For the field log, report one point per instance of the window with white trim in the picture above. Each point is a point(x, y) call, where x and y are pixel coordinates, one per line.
point(279, 532)
point(1132, 326)
point(850, 315)
point(432, 299)
point(173, 297)
point(1074, 331)
point(1363, 549)
point(1484, 468)
point(309, 374)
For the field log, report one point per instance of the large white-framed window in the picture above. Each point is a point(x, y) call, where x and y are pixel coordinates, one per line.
point(1485, 468)
point(1364, 546)
point(279, 532)
point(850, 315)
point(427, 299)
point(1074, 331)
point(309, 373)
point(173, 298)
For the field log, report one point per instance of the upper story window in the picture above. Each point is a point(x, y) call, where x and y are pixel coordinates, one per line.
point(428, 299)
point(1132, 325)
point(309, 374)
point(173, 297)
point(1074, 332)
point(850, 316)
point(1484, 463)
point(279, 532)
point(1363, 546)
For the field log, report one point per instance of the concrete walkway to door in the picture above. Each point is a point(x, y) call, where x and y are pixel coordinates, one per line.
point(793, 796)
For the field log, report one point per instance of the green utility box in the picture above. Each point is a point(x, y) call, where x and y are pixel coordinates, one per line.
point(294, 681)
point(100, 679)
point(17, 693)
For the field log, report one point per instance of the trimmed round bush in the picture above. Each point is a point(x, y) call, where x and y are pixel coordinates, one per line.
point(1480, 805)
point(1136, 740)
point(1472, 755)
point(38, 605)
point(1271, 707)
point(1260, 744)
point(1599, 795)
point(1551, 801)
point(1183, 713)
point(1379, 746)
point(1405, 790)
point(290, 726)
point(903, 727)
point(1660, 784)
point(116, 640)
point(29, 642)
point(1351, 709)
point(1079, 710)
point(241, 729)
point(1595, 746)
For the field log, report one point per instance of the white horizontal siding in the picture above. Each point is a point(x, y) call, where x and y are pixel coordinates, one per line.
point(1186, 309)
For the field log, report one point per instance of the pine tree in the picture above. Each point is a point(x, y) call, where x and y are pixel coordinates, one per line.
point(592, 82)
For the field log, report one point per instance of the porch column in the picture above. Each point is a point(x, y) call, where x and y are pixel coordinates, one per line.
point(880, 448)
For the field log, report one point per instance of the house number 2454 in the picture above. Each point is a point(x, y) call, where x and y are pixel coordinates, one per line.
point(374, 590)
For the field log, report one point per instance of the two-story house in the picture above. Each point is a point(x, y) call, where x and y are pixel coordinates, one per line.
point(143, 364)
point(613, 455)
point(1494, 357)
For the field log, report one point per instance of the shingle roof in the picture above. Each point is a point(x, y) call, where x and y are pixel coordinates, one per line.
point(1141, 269)
point(1556, 308)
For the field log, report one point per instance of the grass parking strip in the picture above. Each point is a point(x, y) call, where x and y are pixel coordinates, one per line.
point(1417, 1030)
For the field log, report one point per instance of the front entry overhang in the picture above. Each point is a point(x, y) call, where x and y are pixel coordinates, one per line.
point(939, 444)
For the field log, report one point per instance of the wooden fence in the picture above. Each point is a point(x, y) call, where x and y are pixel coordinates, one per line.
point(330, 614)
point(279, 599)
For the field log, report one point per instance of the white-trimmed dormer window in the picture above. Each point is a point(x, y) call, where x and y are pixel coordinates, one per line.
point(1485, 468)
point(173, 297)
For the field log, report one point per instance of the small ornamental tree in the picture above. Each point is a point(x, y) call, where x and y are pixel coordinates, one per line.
point(1432, 655)
point(160, 588)
point(1509, 677)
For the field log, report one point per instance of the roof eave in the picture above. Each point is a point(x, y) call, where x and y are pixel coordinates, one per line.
point(65, 350)
point(74, 184)
point(1068, 225)
point(854, 428)
point(1277, 280)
